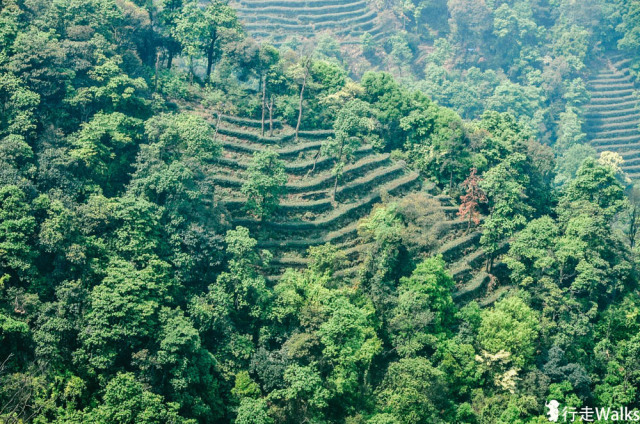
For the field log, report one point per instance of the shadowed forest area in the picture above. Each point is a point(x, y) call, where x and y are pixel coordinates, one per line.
point(319, 211)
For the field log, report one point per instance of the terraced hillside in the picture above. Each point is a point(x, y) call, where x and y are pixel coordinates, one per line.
point(279, 20)
point(613, 116)
point(308, 217)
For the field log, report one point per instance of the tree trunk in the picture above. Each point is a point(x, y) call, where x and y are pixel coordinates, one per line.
point(210, 51)
point(335, 185)
point(264, 101)
point(215, 134)
point(633, 227)
point(170, 59)
point(315, 161)
point(304, 84)
point(155, 78)
point(490, 263)
point(271, 117)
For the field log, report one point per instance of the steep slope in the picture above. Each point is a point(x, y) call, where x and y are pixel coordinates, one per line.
point(280, 20)
point(308, 217)
point(613, 116)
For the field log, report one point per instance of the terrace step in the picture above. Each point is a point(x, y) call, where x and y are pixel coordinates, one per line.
point(608, 133)
point(473, 288)
point(322, 182)
point(613, 78)
point(616, 141)
point(294, 167)
point(494, 296)
point(621, 63)
point(630, 163)
point(308, 19)
point(248, 122)
point(288, 207)
point(631, 169)
point(607, 101)
point(623, 118)
point(613, 114)
point(630, 155)
point(286, 152)
point(614, 85)
point(373, 163)
point(267, 24)
point(618, 148)
point(299, 243)
point(294, 11)
point(293, 3)
point(599, 126)
point(612, 117)
point(620, 105)
point(453, 250)
point(335, 218)
point(279, 20)
point(612, 92)
point(349, 272)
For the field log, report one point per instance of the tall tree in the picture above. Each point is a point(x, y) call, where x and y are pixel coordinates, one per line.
point(301, 74)
point(505, 187)
point(199, 30)
point(127, 401)
point(268, 72)
point(266, 179)
point(472, 198)
point(168, 15)
point(352, 125)
point(424, 309)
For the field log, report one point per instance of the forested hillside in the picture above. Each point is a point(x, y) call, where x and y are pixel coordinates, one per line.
point(354, 212)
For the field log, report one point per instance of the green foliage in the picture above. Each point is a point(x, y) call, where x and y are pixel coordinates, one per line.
point(199, 30)
point(124, 313)
point(19, 106)
point(353, 123)
point(127, 401)
point(326, 259)
point(265, 184)
point(571, 160)
point(629, 28)
point(245, 387)
point(595, 184)
point(412, 392)
point(245, 285)
point(514, 28)
point(522, 101)
point(512, 327)
point(436, 143)
point(17, 233)
point(570, 130)
point(253, 411)
point(182, 135)
point(424, 308)
point(105, 148)
point(505, 187)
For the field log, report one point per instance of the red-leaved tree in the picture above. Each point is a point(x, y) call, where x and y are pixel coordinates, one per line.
point(473, 197)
